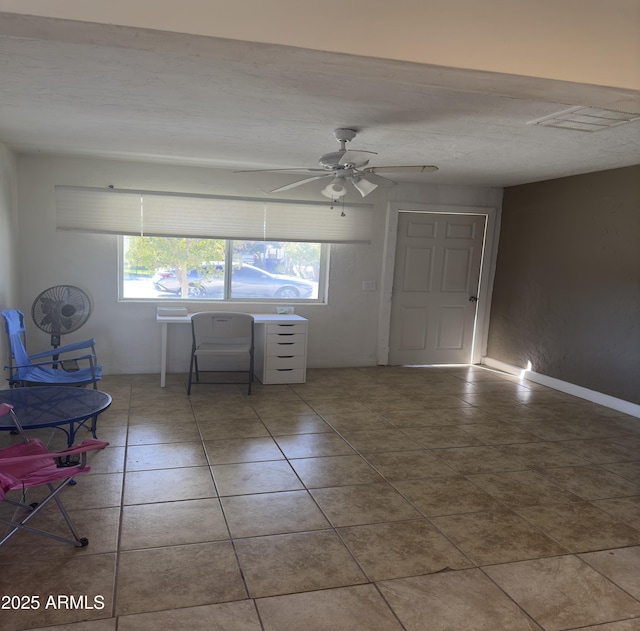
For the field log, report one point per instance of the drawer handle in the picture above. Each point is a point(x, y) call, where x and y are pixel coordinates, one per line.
point(285, 356)
point(287, 334)
point(286, 324)
point(285, 343)
point(284, 369)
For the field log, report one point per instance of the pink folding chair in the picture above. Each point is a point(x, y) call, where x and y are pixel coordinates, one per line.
point(30, 464)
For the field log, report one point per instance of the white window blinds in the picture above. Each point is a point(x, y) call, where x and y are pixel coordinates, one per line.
point(147, 213)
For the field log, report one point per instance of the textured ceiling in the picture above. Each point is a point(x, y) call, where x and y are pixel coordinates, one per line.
point(87, 89)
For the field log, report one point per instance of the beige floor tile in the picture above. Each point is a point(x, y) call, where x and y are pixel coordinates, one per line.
point(169, 485)
point(564, 592)
point(542, 455)
point(561, 429)
point(172, 523)
point(437, 417)
point(272, 514)
point(152, 433)
point(499, 433)
point(442, 401)
point(90, 576)
point(178, 576)
point(312, 424)
point(275, 409)
point(232, 428)
point(469, 460)
point(408, 465)
point(255, 477)
point(299, 562)
point(592, 482)
point(449, 601)
point(441, 437)
point(632, 624)
point(400, 549)
point(600, 450)
point(358, 608)
point(627, 470)
point(168, 410)
point(98, 525)
point(108, 624)
point(234, 450)
point(338, 406)
point(621, 566)
point(313, 445)
point(234, 616)
point(165, 456)
point(357, 421)
point(271, 392)
point(379, 440)
point(115, 435)
point(498, 536)
point(334, 471)
point(626, 509)
point(380, 403)
point(100, 490)
point(522, 488)
point(225, 410)
point(363, 504)
point(108, 460)
point(490, 399)
point(446, 495)
point(580, 526)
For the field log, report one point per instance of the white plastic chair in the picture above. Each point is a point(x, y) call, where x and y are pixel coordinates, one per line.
point(224, 336)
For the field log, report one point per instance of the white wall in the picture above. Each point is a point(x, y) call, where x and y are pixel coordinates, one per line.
point(8, 237)
point(343, 332)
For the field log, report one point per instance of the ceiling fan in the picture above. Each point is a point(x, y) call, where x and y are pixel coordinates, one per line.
point(347, 165)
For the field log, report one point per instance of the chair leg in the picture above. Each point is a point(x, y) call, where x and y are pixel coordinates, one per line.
point(250, 371)
point(190, 375)
point(33, 509)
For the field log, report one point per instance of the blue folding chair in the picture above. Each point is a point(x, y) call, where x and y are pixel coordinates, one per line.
point(66, 366)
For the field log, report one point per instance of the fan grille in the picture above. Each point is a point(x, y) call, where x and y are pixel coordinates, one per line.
point(61, 309)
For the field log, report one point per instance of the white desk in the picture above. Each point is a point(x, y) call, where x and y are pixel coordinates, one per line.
point(280, 346)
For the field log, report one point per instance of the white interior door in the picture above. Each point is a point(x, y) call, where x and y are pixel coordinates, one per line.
point(435, 288)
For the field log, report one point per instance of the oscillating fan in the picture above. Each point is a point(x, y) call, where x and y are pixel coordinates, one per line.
point(59, 310)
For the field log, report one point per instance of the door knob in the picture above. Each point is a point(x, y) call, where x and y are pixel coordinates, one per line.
point(473, 298)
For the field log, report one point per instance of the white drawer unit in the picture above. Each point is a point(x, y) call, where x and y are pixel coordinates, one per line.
point(281, 350)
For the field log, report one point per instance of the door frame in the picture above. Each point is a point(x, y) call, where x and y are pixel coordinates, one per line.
point(487, 270)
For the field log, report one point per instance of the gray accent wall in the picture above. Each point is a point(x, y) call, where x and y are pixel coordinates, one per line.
point(567, 285)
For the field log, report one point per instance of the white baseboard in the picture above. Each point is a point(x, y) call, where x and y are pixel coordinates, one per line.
point(564, 386)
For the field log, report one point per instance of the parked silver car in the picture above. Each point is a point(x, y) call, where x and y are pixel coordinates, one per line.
point(246, 282)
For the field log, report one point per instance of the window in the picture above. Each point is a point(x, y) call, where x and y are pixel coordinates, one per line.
point(221, 269)
point(201, 246)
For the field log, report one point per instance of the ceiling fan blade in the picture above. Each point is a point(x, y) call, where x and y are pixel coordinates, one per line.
point(288, 187)
point(378, 179)
point(291, 170)
point(403, 169)
point(356, 157)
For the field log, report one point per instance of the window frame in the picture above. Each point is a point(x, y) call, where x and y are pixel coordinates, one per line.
point(323, 281)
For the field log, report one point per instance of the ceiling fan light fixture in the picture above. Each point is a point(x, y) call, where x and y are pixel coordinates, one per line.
point(363, 186)
point(335, 189)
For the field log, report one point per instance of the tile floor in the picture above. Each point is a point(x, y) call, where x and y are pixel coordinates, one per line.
point(372, 499)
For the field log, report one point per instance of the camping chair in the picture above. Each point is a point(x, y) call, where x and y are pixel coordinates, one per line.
point(221, 336)
point(27, 370)
point(30, 464)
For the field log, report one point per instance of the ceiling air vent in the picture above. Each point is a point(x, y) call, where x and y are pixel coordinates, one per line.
point(588, 119)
